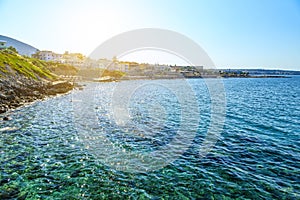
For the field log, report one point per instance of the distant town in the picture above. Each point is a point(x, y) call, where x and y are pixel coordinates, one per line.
point(134, 70)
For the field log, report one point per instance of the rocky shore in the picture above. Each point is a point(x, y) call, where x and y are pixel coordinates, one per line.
point(18, 90)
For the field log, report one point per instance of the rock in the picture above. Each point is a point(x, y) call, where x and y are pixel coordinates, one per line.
point(10, 97)
point(5, 118)
point(17, 90)
point(59, 87)
point(3, 96)
point(2, 110)
point(10, 92)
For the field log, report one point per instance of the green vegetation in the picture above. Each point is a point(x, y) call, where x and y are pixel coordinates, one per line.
point(62, 69)
point(90, 73)
point(13, 49)
point(234, 74)
point(112, 73)
point(12, 63)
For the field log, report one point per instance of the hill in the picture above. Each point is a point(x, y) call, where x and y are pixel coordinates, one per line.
point(24, 79)
point(13, 64)
point(22, 48)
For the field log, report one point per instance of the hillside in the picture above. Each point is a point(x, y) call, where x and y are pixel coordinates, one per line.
point(24, 79)
point(12, 64)
point(23, 48)
point(62, 69)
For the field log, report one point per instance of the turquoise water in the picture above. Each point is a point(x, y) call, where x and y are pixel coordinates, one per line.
point(61, 148)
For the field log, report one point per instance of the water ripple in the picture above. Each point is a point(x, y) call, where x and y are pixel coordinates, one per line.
point(257, 155)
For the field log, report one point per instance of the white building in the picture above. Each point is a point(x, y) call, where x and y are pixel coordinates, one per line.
point(47, 56)
point(75, 59)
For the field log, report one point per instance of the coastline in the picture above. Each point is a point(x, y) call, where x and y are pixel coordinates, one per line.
point(128, 78)
point(17, 91)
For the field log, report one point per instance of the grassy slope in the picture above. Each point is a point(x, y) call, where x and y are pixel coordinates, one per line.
point(11, 63)
point(115, 74)
point(97, 73)
point(62, 69)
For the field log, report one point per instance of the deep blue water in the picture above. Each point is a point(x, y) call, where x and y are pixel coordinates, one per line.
point(84, 145)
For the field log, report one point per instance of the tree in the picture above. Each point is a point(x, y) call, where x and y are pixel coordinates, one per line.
point(13, 49)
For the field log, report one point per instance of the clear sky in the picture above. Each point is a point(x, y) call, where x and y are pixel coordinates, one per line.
point(234, 33)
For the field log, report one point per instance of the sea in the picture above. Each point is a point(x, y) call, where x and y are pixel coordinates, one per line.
point(234, 138)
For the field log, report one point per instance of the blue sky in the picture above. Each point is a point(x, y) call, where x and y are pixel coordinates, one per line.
point(234, 33)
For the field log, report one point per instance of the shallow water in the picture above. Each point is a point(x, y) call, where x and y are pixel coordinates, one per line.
point(84, 146)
